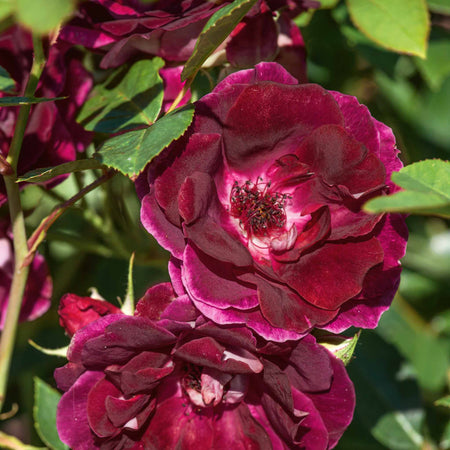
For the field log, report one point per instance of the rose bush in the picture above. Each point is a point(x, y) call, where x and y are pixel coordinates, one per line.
point(52, 135)
point(260, 205)
point(38, 290)
point(167, 378)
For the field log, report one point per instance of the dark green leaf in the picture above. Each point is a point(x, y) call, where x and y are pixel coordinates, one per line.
point(402, 25)
point(388, 407)
point(218, 27)
point(439, 6)
point(427, 190)
point(130, 152)
point(402, 326)
point(17, 101)
point(44, 411)
point(135, 100)
point(43, 16)
point(7, 84)
point(45, 174)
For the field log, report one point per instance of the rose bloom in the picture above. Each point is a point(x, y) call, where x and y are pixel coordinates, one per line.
point(260, 205)
point(166, 378)
point(52, 135)
point(38, 290)
point(123, 30)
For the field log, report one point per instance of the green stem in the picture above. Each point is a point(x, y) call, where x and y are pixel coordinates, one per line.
point(18, 225)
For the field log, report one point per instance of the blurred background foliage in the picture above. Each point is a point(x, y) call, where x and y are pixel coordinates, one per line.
point(401, 370)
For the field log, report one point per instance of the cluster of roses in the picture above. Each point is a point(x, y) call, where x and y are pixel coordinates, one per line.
point(259, 204)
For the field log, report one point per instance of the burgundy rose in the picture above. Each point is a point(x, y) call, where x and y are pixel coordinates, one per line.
point(38, 291)
point(75, 312)
point(169, 29)
point(52, 135)
point(132, 383)
point(260, 205)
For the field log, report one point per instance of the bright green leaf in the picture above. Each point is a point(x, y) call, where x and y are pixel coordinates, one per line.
point(341, 346)
point(218, 27)
point(18, 101)
point(401, 25)
point(7, 84)
point(6, 8)
point(130, 152)
point(135, 100)
point(444, 401)
point(43, 16)
point(44, 412)
point(427, 190)
point(45, 174)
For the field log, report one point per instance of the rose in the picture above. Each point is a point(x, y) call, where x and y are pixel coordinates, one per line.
point(132, 383)
point(260, 205)
point(52, 135)
point(38, 290)
point(75, 312)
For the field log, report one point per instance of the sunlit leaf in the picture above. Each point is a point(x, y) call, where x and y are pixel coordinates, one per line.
point(401, 25)
point(135, 100)
point(341, 346)
point(44, 411)
point(43, 16)
point(130, 152)
point(426, 187)
point(218, 27)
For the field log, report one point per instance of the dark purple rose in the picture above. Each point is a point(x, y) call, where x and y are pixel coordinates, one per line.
point(260, 205)
point(75, 312)
point(38, 291)
point(52, 135)
point(132, 383)
point(170, 28)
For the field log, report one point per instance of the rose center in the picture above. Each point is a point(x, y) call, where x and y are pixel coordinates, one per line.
point(259, 210)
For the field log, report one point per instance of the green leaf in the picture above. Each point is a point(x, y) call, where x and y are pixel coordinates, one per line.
point(444, 401)
point(439, 6)
point(130, 152)
point(6, 8)
point(7, 84)
point(61, 352)
point(388, 407)
point(18, 101)
point(135, 100)
point(44, 412)
point(341, 346)
point(401, 25)
point(428, 354)
point(218, 27)
point(43, 16)
point(47, 173)
point(436, 67)
point(427, 190)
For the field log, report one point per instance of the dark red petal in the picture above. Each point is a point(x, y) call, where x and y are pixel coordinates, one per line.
point(195, 195)
point(340, 160)
point(285, 309)
point(155, 301)
point(214, 282)
point(75, 312)
point(266, 114)
point(253, 40)
point(212, 239)
point(334, 273)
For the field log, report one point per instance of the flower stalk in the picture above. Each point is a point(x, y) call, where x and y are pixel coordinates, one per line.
point(18, 223)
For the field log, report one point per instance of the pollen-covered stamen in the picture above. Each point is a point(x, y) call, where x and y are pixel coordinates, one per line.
point(260, 211)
